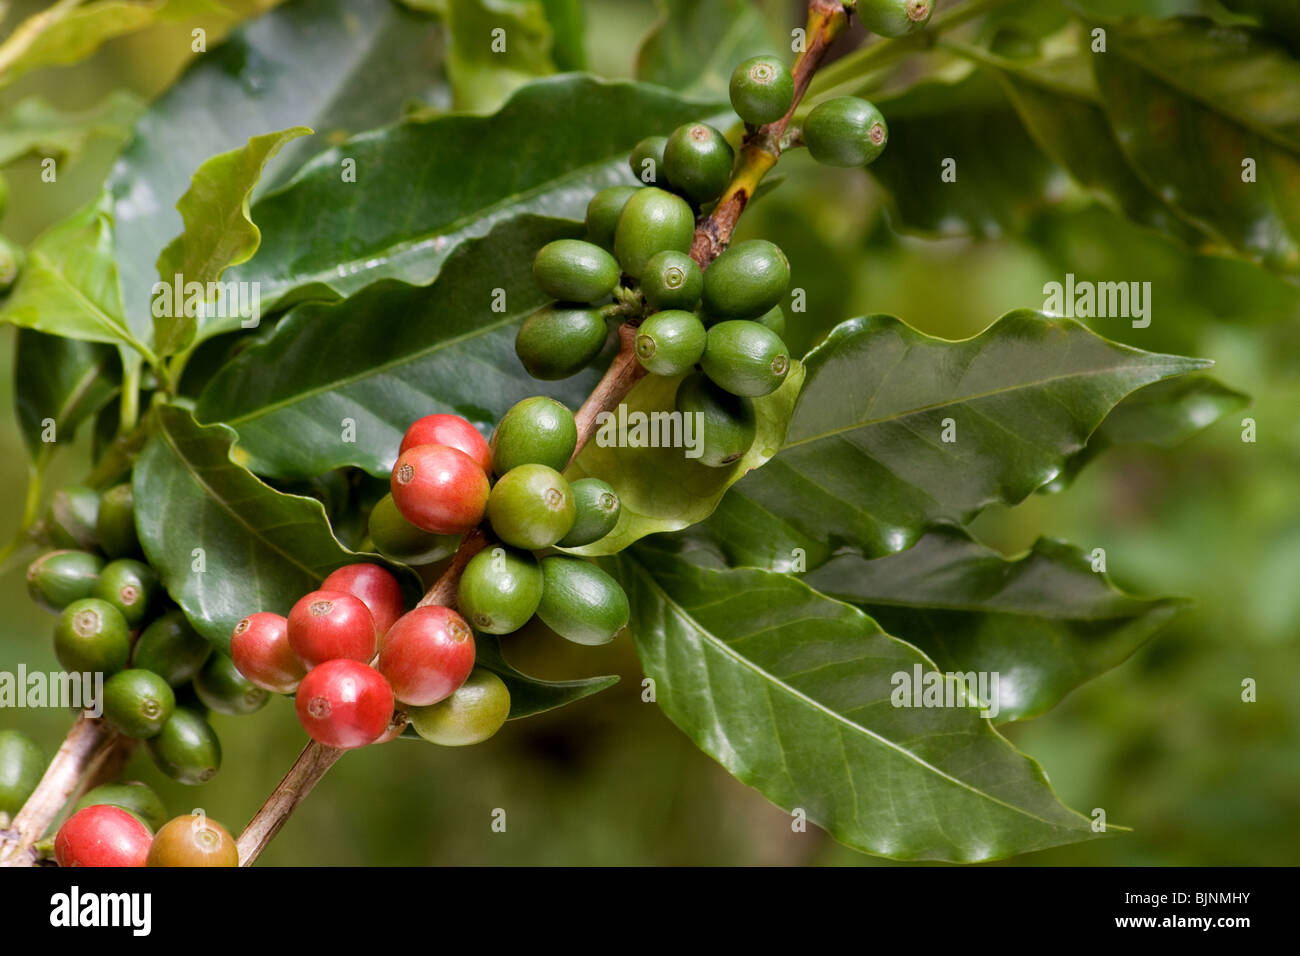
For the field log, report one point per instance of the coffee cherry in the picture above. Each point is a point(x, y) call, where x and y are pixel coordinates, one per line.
point(653, 220)
point(92, 635)
point(260, 649)
point(452, 431)
point(596, 508)
point(476, 711)
point(374, 587)
point(581, 602)
point(137, 703)
point(575, 271)
point(71, 516)
point(115, 523)
point(130, 586)
point(531, 507)
point(171, 648)
point(398, 539)
point(427, 655)
point(762, 90)
point(344, 704)
point(135, 798)
point(845, 131)
point(746, 280)
point(894, 18)
point(187, 748)
point(669, 343)
point(697, 162)
point(102, 835)
point(672, 280)
point(439, 489)
point(603, 212)
point(326, 625)
point(774, 319)
point(745, 358)
point(729, 424)
point(536, 431)
point(500, 589)
point(193, 840)
point(57, 578)
point(224, 689)
point(647, 159)
point(558, 341)
point(21, 766)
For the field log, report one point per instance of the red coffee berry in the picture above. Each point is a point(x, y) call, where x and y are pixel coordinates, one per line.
point(102, 835)
point(374, 587)
point(344, 704)
point(260, 649)
point(450, 430)
point(326, 625)
point(427, 655)
point(439, 489)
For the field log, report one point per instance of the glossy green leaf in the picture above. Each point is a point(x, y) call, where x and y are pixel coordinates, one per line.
point(697, 43)
point(64, 381)
point(218, 234)
point(661, 489)
point(495, 47)
point(34, 126)
point(1194, 107)
point(1044, 622)
point(389, 355)
point(531, 695)
point(545, 152)
point(793, 692)
point(224, 543)
point(339, 66)
point(865, 466)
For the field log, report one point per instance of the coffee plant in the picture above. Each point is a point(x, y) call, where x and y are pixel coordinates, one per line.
point(394, 330)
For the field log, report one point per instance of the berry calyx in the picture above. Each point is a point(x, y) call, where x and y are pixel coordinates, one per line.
point(762, 90)
point(575, 271)
point(137, 703)
point(558, 341)
point(473, 713)
point(439, 489)
point(187, 748)
point(102, 835)
point(92, 635)
point(57, 578)
point(171, 648)
point(672, 280)
point(428, 654)
point(537, 431)
point(581, 602)
point(193, 840)
point(697, 162)
point(222, 688)
point(845, 131)
point(500, 590)
point(728, 426)
point(344, 704)
point(669, 343)
point(653, 220)
point(745, 358)
point(374, 586)
point(396, 538)
point(327, 625)
point(596, 509)
point(531, 507)
point(452, 431)
point(746, 280)
point(260, 649)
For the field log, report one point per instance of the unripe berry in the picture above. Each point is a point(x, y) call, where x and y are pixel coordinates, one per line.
point(500, 589)
point(92, 635)
point(672, 280)
point(761, 90)
point(398, 539)
point(575, 271)
point(476, 711)
point(558, 341)
point(746, 280)
point(137, 703)
point(102, 836)
point(697, 162)
point(70, 518)
point(894, 18)
point(374, 587)
point(537, 431)
point(428, 654)
point(134, 797)
point(57, 578)
point(729, 424)
point(130, 586)
point(774, 319)
point(647, 159)
point(745, 358)
point(222, 688)
point(603, 212)
point(531, 507)
point(260, 649)
point(669, 343)
point(596, 508)
point(171, 648)
point(115, 523)
point(193, 840)
point(187, 748)
point(326, 625)
point(452, 431)
point(581, 602)
point(653, 220)
point(845, 131)
point(439, 489)
point(344, 704)
point(21, 767)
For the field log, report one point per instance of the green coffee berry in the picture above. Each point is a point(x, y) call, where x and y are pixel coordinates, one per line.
point(596, 508)
point(70, 518)
point(729, 423)
point(603, 212)
point(500, 590)
point(531, 507)
point(697, 162)
point(56, 579)
point(762, 90)
point(669, 343)
point(745, 358)
point(845, 131)
point(774, 319)
point(130, 586)
point(894, 18)
point(12, 260)
point(21, 766)
point(746, 280)
point(581, 602)
point(672, 280)
point(653, 220)
point(474, 712)
point(224, 689)
point(647, 159)
point(92, 635)
point(575, 271)
point(135, 798)
point(137, 703)
point(171, 648)
point(115, 523)
point(558, 341)
point(536, 431)
point(398, 539)
point(187, 748)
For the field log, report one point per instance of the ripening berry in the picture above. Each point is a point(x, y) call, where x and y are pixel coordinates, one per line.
point(531, 507)
point(500, 590)
point(476, 711)
point(193, 840)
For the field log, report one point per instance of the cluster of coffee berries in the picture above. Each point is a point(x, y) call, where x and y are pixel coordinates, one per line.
point(113, 826)
point(161, 678)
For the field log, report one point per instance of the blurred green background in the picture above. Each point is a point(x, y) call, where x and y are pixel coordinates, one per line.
point(1163, 743)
